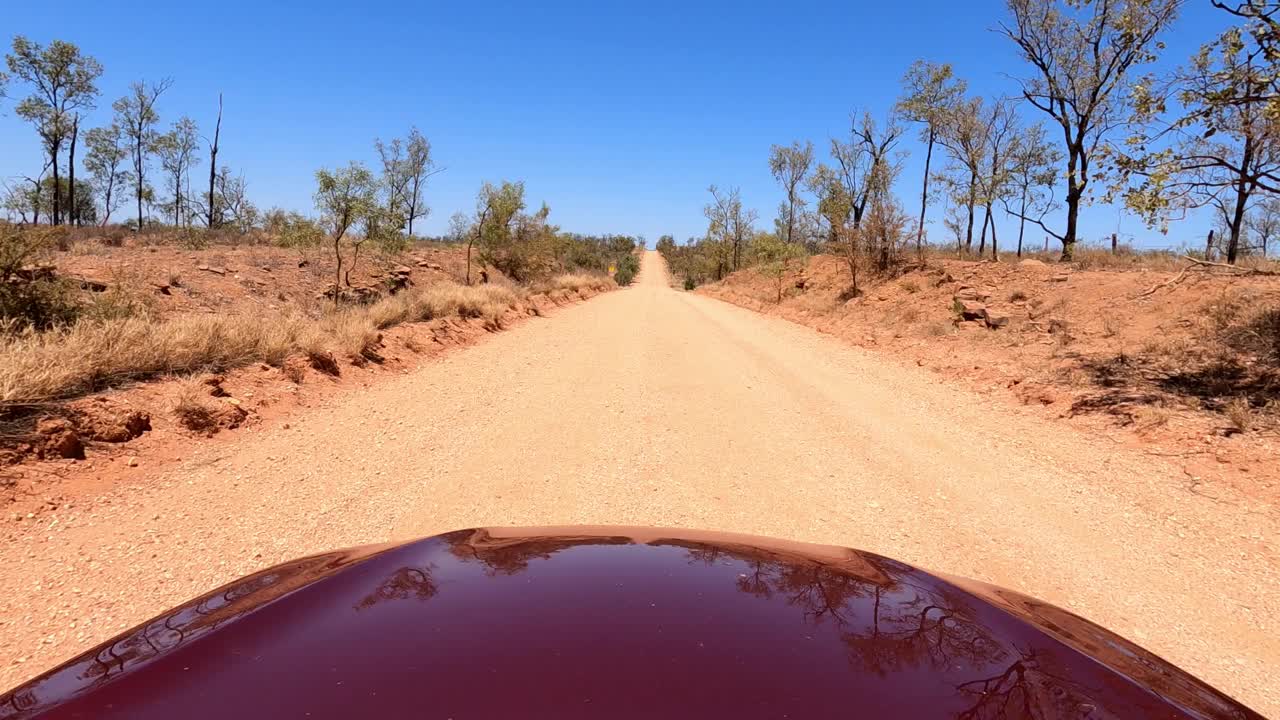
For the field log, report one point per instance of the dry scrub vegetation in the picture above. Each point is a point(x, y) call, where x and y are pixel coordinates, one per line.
point(74, 322)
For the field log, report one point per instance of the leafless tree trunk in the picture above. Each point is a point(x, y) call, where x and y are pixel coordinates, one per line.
point(924, 195)
point(212, 220)
point(1208, 247)
point(55, 148)
point(72, 213)
point(1022, 222)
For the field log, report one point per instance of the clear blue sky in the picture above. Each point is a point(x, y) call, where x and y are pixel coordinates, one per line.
point(618, 115)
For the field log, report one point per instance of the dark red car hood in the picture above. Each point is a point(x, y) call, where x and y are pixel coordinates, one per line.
point(613, 623)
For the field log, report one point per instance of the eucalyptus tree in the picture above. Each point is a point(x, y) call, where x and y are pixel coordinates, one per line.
point(1221, 149)
point(1001, 126)
point(177, 152)
point(964, 134)
point(930, 92)
point(106, 152)
point(136, 114)
point(63, 82)
point(790, 165)
point(345, 197)
point(1032, 166)
point(1081, 53)
point(730, 222)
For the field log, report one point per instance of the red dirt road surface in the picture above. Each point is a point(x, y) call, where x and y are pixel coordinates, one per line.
point(651, 406)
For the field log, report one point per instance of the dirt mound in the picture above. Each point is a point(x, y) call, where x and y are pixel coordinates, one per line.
point(1152, 351)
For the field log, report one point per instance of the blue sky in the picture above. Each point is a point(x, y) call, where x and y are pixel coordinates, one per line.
point(617, 115)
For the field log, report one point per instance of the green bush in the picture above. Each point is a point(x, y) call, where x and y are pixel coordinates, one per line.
point(628, 268)
point(690, 284)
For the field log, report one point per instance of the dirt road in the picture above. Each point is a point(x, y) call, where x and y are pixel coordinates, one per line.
point(650, 406)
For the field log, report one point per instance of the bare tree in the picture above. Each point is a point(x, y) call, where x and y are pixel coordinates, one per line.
point(64, 83)
point(1263, 222)
point(789, 166)
point(73, 210)
point(930, 92)
point(136, 114)
point(1082, 52)
point(213, 216)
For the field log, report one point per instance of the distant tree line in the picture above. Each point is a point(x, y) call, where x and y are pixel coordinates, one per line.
point(1204, 135)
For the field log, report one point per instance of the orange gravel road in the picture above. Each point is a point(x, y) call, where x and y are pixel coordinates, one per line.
point(651, 406)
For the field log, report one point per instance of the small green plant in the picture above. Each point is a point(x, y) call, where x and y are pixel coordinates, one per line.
point(690, 284)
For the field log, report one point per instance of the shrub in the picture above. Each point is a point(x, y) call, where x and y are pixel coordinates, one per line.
point(32, 299)
point(628, 268)
point(690, 284)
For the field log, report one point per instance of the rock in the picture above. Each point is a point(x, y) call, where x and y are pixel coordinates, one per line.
point(303, 263)
point(324, 362)
point(212, 269)
point(162, 289)
point(401, 270)
point(59, 439)
point(132, 462)
point(39, 271)
point(968, 292)
point(1031, 263)
point(995, 319)
point(214, 383)
point(114, 425)
point(969, 309)
point(1060, 277)
point(90, 284)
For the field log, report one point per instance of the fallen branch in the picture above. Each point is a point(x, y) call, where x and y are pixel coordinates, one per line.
point(1235, 269)
point(1152, 291)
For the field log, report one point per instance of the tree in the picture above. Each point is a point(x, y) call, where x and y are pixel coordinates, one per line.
point(345, 197)
point(406, 167)
point(136, 114)
point(72, 205)
point(213, 215)
point(232, 201)
point(1000, 125)
point(1263, 222)
point(789, 166)
point(1263, 33)
point(495, 208)
point(774, 257)
point(177, 152)
point(1223, 146)
point(1033, 163)
point(930, 92)
point(1081, 52)
point(418, 167)
point(731, 223)
point(964, 135)
point(64, 83)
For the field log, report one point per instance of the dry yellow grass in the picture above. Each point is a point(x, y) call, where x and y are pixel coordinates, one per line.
point(38, 367)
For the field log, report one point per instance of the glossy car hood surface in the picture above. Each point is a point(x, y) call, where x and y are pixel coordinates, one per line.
point(613, 623)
